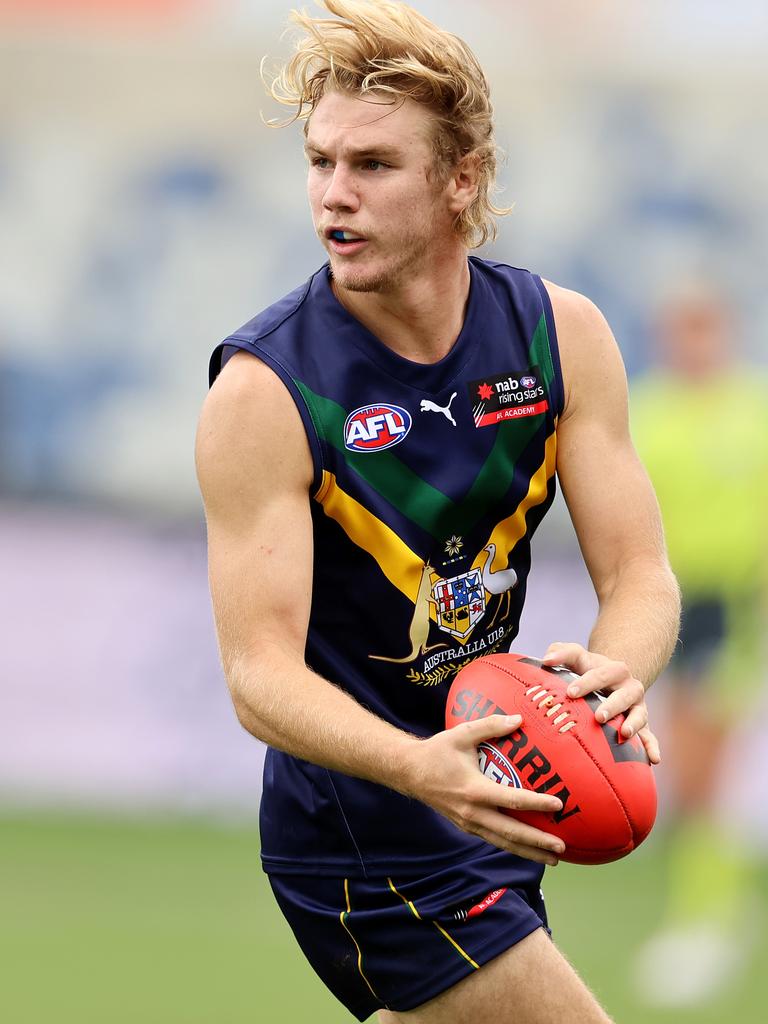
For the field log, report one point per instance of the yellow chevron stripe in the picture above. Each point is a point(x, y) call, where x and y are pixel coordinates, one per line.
point(509, 531)
point(400, 565)
point(439, 927)
point(343, 918)
point(408, 903)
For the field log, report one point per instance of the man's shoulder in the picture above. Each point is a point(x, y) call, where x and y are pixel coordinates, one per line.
point(273, 332)
point(570, 305)
point(576, 315)
point(589, 354)
point(519, 287)
point(274, 316)
point(500, 270)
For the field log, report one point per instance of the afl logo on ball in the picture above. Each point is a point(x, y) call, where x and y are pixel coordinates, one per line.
point(496, 767)
point(372, 428)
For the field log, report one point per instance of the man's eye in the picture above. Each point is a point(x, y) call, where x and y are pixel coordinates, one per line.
point(320, 161)
point(374, 165)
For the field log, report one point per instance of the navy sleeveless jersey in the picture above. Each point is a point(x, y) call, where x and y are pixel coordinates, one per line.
point(430, 480)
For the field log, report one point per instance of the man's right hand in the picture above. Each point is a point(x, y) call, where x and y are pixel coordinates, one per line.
point(445, 774)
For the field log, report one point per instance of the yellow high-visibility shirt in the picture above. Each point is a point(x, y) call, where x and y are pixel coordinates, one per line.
point(705, 446)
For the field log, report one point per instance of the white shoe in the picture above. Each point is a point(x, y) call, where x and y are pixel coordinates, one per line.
point(687, 966)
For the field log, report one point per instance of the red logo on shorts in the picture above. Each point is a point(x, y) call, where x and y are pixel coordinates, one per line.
point(490, 899)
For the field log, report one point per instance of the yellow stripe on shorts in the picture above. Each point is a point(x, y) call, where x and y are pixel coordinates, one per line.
point(439, 927)
point(343, 918)
point(456, 946)
point(408, 903)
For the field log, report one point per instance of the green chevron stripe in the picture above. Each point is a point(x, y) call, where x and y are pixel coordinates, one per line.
point(408, 492)
point(424, 505)
point(493, 480)
point(540, 354)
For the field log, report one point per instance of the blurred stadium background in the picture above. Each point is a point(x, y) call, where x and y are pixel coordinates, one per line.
point(146, 211)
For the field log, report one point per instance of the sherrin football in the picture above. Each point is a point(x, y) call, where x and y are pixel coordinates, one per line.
point(604, 781)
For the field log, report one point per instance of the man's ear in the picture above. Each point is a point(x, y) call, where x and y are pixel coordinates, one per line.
point(464, 183)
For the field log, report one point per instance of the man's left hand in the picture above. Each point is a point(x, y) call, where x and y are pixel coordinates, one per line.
point(623, 691)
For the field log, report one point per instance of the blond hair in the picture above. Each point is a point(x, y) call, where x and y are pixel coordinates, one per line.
point(379, 46)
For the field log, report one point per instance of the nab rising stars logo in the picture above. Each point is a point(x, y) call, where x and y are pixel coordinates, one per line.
point(372, 428)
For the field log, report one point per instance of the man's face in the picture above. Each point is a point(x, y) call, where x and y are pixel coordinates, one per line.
point(371, 175)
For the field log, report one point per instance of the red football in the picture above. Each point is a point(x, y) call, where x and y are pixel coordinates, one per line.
point(605, 782)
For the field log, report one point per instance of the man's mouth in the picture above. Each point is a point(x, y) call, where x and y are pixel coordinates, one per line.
point(343, 241)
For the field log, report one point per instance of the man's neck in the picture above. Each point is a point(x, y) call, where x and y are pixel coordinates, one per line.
point(421, 320)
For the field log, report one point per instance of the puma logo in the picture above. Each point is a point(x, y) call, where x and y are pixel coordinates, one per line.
point(427, 406)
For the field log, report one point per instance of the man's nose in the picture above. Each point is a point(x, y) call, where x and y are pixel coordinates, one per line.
point(341, 192)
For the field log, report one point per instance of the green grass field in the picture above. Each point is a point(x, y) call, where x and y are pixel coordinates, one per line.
point(115, 921)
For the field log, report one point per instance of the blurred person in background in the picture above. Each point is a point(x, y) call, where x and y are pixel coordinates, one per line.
point(700, 421)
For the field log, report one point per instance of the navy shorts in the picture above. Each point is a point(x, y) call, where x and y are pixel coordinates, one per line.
point(395, 942)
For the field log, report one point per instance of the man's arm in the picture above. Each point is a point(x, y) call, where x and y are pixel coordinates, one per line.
point(617, 522)
point(255, 473)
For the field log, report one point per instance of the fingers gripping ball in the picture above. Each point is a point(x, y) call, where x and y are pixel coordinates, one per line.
point(605, 781)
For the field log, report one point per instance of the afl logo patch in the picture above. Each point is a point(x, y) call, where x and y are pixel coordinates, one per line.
point(528, 382)
point(372, 428)
point(496, 767)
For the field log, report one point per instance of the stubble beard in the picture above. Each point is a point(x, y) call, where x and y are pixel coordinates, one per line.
point(389, 278)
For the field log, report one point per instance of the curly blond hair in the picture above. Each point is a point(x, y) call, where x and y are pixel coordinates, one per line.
point(380, 46)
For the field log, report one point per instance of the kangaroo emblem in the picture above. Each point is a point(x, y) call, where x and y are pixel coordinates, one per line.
point(419, 629)
point(427, 406)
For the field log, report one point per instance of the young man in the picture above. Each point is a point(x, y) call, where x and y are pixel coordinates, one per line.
point(375, 454)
